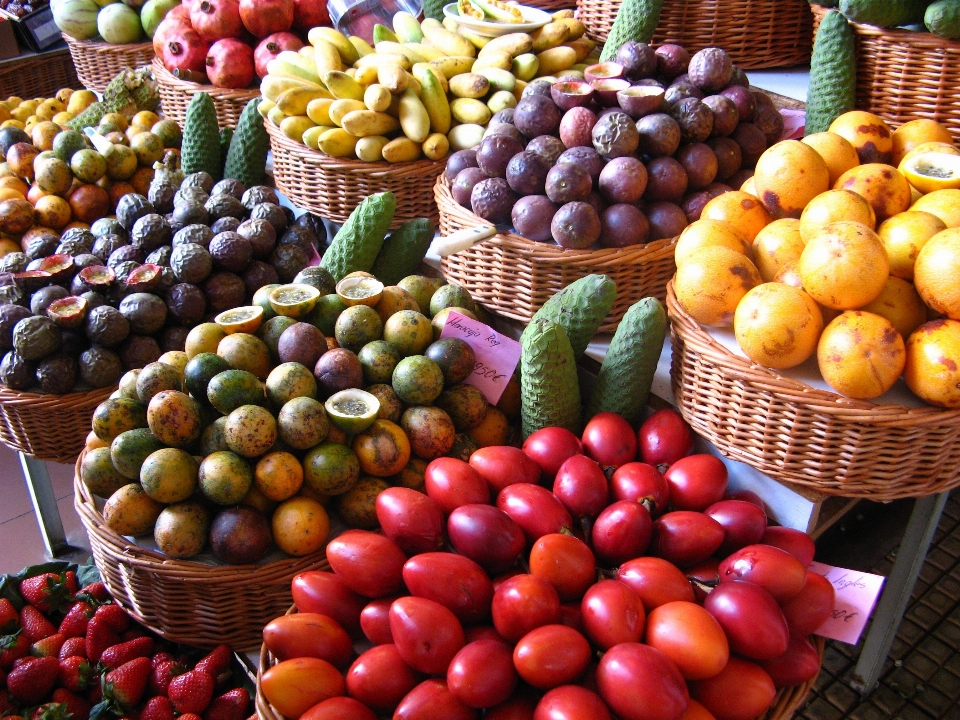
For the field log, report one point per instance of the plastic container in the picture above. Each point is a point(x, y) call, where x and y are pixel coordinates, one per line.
point(357, 17)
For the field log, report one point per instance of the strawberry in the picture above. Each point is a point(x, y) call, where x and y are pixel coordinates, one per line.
point(50, 711)
point(30, 682)
point(5, 704)
point(184, 716)
point(74, 623)
point(35, 624)
point(49, 592)
point(99, 637)
point(13, 647)
point(125, 685)
point(113, 616)
point(162, 672)
point(9, 620)
point(96, 591)
point(74, 646)
point(232, 705)
point(157, 708)
point(95, 694)
point(216, 663)
point(116, 655)
point(48, 646)
point(76, 674)
point(191, 692)
point(76, 705)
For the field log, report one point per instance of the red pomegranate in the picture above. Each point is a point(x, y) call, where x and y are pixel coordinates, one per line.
point(184, 49)
point(216, 19)
point(166, 27)
point(180, 12)
point(271, 46)
point(310, 14)
point(263, 17)
point(230, 64)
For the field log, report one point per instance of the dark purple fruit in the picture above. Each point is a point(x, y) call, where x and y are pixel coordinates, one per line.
point(196, 233)
point(502, 116)
point(288, 260)
point(494, 154)
point(16, 372)
point(458, 161)
point(225, 224)
point(710, 69)
point(737, 180)
point(770, 122)
point(532, 216)
point(587, 158)
point(463, 185)
point(261, 236)
point(672, 61)
point(667, 180)
point(257, 194)
point(622, 225)
point(546, 146)
point(752, 142)
point(567, 182)
point(744, 100)
point(302, 343)
point(576, 127)
point(138, 351)
point(693, 203)
point(700, 164)
point(186, 303)
point(106, 326)
point(258, 274)
point(10, 315)
point(492, 199)
point(728, 156)
point(639, 60)
point(623, 180)
point(273, 214)
point(659, 135)
point(337, 369)
point(667, 220)
point(694, 118)
point(507, 130)
point(615, 135)
point(225, 290)
point(145, 312)
point(527, 173)
point(540, 86)
point(536, 115)
point(595, 200)
point(231, 251)
point(576, 226)
point(173, 338)
point(681, 91)
point(240, 535)
point(725, 115)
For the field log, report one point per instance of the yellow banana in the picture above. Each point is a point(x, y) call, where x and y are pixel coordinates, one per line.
point(337, 143)
point(446, 41)
point(427, 52)
point(326, 56)
point(273, 85)
point(319, 111)
point(295, 100)
point(343, 86)
point(414, 119)
point(434, 99)
point(362, 46)
point(386, 47)
point(283, 69)
point(454, 65)
point(348, 52)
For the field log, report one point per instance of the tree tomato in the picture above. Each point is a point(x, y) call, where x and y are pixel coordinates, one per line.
point(482, 674)
point(551, 655)
point(690, 636)
point(535, 509)
point(571, 702)
point(432, 700)
point(320, 591)
point(641, 481)
point(685, 537)
point(655, 580)
point(609, 439)
point(612, 614)
point(581, 486)
point(696, 482)
point(454, 581)
point(308, 635)
point(486, 535)
point(295, 686)
point(800, 663)
point(502, 465)
point(664, 438)
point(639, 682)
point(520, 706)
point(772, 568)
point(621, 532)
point(812, 606)
point(375, 620)
point(380, 679)
point(426, 633)
point(696, 711)
point(741, 691)
point(795, 542)
point(452, 482)
point(750, 617)
point(411, 519)
point(565, 562)
point(548, 447)
point(743, 523)
point(339, 708)
point(522, 603)
point(369, 563)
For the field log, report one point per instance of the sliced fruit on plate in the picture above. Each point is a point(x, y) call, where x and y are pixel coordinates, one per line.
point(294, 300)
point(490, 11)
point(246, 319)
point(931, 171)
point(352, 410)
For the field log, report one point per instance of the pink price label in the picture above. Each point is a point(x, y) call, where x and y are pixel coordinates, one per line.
point(496, 355)
point(856, 595)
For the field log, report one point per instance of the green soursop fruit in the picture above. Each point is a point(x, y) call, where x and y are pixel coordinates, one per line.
point(884, 13)
point(549, 388)
point(626, 375)
point(403, 251)
point(356, 245)
point(200, 149)
point(434, 9)
point(943, 18)
point(128, 93)
point(833, 73)
point(580, 308)
point(226, 136)
point(636, 20)
point(246, 159)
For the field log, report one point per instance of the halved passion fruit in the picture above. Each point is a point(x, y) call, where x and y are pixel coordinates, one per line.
point(60, 266)
point(294, 300)
point(931, 171)
point(98, 276)
point(68, 312)
point(359, 290)
point(246, 319)
point(352, 410)
point(145, 278)
point(31, 280)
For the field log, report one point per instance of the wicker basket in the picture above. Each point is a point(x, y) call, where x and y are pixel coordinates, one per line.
point(188, 602)
point(808, 437)
point(48, 427)
point(903, 75)
point(756, 33)
point(40, 75)
point(333, 187)
point(785, 704)
point(176, 94)
point(552, 6)
point(97, 63)
point(512, 276)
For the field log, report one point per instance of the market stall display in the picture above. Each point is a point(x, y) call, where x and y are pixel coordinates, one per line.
point(38, 75)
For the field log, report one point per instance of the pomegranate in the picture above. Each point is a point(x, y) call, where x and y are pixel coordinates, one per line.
point(180, 13)
point(184, 49)
point(310, 14)
point(264, 17)
point(271, 46)
point(167, 26)
point(230, 64)
point(216, 19)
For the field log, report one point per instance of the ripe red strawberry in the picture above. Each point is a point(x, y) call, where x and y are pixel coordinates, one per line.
point(95, 694)
point(35, 624)
point(48, 646)
point(50, 711)
point(50, 592)
point(216, 662)
point(100, 636)
point(76, 674)
point(162, 672)
point(97, 590)
point(184, 716)
point(74, 623)
point(191, 692)
point(5, 704)
point(78, 708)
point(74, 646)
point(113, 616)
point(232, 705)
point(30, 682)
point(13, 647)
point(125, 685)
point(9, 620)
point(157, 708)
point(116, 655)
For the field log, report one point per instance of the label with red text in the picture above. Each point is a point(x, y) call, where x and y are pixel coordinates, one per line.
point(496, 355)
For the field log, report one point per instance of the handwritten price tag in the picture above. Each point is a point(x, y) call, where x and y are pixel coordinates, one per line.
point(497, 355)
point(856, 596)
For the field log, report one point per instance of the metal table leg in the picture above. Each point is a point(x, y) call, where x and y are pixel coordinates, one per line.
point(897, 591)
point(44, 504)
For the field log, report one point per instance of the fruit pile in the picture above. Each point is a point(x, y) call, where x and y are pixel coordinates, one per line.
point(629, 153)
point(229, 42)
point(423, 89)
point(483, 593)
point(116, 22)
point(844, 245)
point(70, 652)
point(20, 9)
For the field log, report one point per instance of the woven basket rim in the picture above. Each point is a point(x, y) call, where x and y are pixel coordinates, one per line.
point(908, 37)
point(17, 397)
point(165, 77)
point(822, 401)
point(112, 48)
point(123, 550)
point(520, 244)
point(379, 168)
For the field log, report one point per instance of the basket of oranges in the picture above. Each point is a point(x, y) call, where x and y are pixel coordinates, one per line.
point(831, 359)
